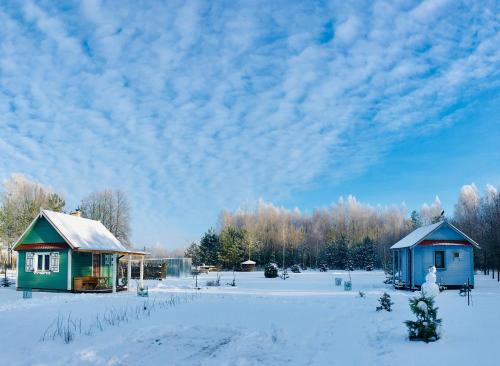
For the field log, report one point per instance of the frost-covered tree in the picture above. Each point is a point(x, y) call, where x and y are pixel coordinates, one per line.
point(431, 213)
point(479, 217)
point(112, 209)
point(20, 202)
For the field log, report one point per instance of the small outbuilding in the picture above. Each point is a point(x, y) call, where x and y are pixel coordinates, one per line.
point(61, 252)
point(441, 245)
point(248, 266)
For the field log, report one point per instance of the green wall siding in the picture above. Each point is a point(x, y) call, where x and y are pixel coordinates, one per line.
point(42, 232)
point(49, 281)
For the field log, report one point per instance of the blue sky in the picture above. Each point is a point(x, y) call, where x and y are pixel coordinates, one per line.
point(192, 107)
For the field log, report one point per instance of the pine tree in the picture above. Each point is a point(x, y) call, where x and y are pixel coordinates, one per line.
point(327, 256)
point(232, 246)
point(385, 302)
point(210, 247)
point(369, 254)
point(193, 252)
point(416, 220)
point(426, 328)
point(340, 253)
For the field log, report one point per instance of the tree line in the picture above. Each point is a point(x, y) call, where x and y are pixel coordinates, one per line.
point(479, 217)
point(348, 234)
point(21, 200)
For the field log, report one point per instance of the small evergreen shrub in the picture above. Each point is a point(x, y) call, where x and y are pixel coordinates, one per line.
point(323, 268)
point(271, 270)
point(5, 281)
point(426, 327)
point(362, 294)
point(295, 268)
point(385, 302)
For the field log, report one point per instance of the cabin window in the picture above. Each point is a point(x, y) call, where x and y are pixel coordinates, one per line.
point(439, 259)
point(47, 262)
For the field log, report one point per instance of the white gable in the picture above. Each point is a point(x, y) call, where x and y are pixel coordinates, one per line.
point(83, 234)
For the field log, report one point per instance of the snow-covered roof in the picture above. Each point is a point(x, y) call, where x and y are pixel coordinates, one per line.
point(417, 235)
point(248, 262)
point(81, 233)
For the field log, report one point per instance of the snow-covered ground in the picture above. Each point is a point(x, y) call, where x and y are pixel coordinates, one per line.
point(305, 320)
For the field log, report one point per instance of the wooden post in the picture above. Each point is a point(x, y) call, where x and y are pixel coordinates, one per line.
point(142, 272)
point(393, 268)
point(129, 272)
point(114, 258)
point(468, 292)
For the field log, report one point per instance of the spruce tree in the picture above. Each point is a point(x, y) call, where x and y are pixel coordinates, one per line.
point(385, 302)
point(416, 220)
point(369, 254)
point(210, 247)
point(426, 327)
point(340, 253)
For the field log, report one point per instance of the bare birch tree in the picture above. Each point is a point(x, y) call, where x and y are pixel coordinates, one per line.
point(112, 208)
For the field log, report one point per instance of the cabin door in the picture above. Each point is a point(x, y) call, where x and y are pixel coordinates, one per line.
point(96, 265)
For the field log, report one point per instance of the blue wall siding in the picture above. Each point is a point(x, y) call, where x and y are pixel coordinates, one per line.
point(444, 233)
point(404, 265)
point(456, 271)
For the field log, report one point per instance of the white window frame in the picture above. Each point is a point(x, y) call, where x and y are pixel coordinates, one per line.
point(35, 263)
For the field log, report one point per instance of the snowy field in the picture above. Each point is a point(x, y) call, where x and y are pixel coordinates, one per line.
point(305, 320)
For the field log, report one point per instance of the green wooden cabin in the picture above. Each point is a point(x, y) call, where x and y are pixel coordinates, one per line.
point(61, 252)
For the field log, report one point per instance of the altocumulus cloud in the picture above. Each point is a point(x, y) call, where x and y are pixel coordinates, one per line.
point(194, 106)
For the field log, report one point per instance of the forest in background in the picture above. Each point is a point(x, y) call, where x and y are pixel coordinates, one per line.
point(348, 234)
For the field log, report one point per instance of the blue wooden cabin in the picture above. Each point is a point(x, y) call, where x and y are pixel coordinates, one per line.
point(441, 245)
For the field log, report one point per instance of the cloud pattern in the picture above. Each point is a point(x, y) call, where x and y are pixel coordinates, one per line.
point(195, 106)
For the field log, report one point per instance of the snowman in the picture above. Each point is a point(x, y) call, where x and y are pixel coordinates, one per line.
point(430, 288)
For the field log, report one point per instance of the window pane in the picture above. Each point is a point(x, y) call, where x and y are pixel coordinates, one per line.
point(40, 262)
point(439, 259)
point(47, 262)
